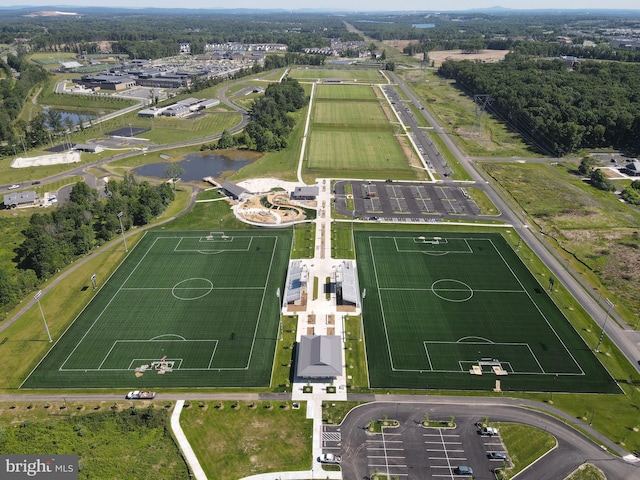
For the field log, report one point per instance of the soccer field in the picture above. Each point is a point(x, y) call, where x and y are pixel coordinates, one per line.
point(185, 309)
point(461, 311)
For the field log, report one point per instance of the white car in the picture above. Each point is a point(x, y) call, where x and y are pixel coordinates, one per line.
point(14, 186)
point(330, 458)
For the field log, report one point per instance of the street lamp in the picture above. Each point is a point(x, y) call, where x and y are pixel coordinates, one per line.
point(124, 240)
point(279, 313)
point(37, 299)
point(604, 324)
point(364, 294)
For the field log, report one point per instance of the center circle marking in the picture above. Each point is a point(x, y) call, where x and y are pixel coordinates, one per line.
point(192, 288)
point(452, 290)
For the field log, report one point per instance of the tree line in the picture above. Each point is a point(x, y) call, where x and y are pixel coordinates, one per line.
point(19, 77)
point(557, 109)
point(269, 123)
point(159, 34)
point(53, 239)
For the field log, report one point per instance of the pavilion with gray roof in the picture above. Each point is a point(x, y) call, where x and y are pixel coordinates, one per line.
point(319, 356)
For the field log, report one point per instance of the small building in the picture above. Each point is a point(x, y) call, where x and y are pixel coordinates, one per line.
point(232, 190)
point(305, 193)
point(208, 103)
point(319, 356)
point(177, 111)
point(21, 199)
point(632, 169)
point(68, 66)
point(88, 147)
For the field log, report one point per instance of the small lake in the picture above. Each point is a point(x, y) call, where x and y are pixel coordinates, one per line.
point(196, 166)
point(423, 25)
point(75, 117)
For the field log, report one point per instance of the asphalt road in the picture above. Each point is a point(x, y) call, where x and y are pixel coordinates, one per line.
point(627, 339)
point(573, 448)
point(410, 452)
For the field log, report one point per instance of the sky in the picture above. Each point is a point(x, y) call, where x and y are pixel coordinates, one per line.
point(352, 5)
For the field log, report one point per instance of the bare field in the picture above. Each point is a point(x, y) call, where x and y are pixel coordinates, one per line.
point(488, 56)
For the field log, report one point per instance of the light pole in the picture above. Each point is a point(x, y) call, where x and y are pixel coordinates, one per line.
point(46, 327)
point(364, 294)
point(93, 280)
point(279, 313)
point(604, 324)
point(124, 240)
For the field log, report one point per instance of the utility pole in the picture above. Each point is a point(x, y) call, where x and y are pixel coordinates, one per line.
point(46, 327)
point(482, 101)
point(604, 324)
point(124, 240)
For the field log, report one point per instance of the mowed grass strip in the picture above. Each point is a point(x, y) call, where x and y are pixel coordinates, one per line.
point(349, 114)
point(352, 150)
point(164, 130)
point(345, 92)
point(345, 74)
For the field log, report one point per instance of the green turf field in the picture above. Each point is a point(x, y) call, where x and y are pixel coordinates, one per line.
point(185, 309)
point(440, 306)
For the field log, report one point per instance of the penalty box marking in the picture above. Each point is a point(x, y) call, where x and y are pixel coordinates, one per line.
point(117, 342)
point(477, 361)
point(202, 241)
point(515, 346)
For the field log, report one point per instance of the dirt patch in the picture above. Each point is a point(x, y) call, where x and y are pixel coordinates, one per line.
point(400, 44)
point(488, 56)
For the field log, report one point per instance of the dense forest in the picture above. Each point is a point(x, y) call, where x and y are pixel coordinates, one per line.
point(556, 108)
point(270, 123)
point(14, 90)
point(55, 238)
point(153, 34)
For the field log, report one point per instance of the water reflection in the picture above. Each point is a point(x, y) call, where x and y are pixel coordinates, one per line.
point(196, 166)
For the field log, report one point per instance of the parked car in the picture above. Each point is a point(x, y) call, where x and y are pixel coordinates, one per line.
point(488, 431)
point(330, 458)
point(497, 455)
point(463, 470)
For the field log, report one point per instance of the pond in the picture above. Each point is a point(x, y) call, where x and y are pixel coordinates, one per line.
point(73, 117)
point(196, 166)
point(423, 25)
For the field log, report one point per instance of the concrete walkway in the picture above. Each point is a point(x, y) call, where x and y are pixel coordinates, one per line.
point(183, 443)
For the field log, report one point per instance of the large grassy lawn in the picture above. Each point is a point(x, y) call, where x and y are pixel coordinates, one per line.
point(345, 74)
point(346, 151)
point(351, 136)
point(344, 92)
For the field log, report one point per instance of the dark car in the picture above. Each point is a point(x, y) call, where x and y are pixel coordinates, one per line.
point(497, 455)
point(37, 182)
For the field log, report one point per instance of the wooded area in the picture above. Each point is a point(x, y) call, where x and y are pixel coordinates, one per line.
point(556, 108)
point(55, 238)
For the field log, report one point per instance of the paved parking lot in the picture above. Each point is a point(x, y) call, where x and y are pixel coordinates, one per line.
point(410, 451)
point(405, 201)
